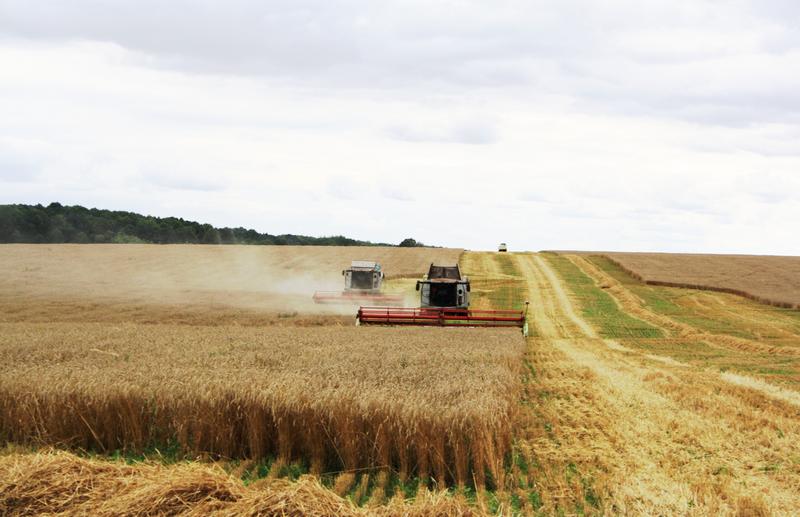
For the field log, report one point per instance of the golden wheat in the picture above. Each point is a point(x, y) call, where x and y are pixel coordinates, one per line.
point(767, 279)
point(432, 402)
point(261, 277)
point(61, 483)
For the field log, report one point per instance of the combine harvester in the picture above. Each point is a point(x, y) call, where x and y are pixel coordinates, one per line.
point(362, 284)
point(444, 302)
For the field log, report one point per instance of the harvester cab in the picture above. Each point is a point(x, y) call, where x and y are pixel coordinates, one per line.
point(363, 282)
point(444, 302)
point(363, 275)
point(443, 286)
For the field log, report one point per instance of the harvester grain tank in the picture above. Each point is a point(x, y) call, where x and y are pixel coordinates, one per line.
point(363, 282)
point(444, 301)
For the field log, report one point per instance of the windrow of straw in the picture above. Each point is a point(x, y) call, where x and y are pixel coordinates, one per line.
point(61, 483)
point(435, 403)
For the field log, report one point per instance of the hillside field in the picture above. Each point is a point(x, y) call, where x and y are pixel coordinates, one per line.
point(774, 280)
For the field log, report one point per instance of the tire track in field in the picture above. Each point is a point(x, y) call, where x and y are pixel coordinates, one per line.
point(716, 302)
point(631, 304)
point(625, 300)
point(541, 311)
point(673, 440)
point(485, 275)
point(564, 334)
point(561, 299)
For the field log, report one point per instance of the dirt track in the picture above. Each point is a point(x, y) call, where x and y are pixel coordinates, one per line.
point(644, 433)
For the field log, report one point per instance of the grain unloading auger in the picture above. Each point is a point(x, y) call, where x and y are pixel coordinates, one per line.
point(362, 284)
point(444, 302)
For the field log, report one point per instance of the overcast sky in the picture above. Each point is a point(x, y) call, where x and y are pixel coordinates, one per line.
point(626, 125)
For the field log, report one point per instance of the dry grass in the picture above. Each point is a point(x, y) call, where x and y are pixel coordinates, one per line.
point(426, 402)
point(767, 279)
point(276, 278)
point(60, 483)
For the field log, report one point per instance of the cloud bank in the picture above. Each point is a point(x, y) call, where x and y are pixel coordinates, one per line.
point(632, 126)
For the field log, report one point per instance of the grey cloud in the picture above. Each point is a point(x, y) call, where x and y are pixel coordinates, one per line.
point(16, 172)
point(396, 194)
point(183, 181)
point(547, 194)
point(17, 168)
point(534, 197)
point(473, 134)
point(589, 51)
point(345, 189)
point(770, 188)
point(575, 211)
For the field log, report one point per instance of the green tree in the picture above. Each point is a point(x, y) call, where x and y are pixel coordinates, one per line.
point(210, 235)
point(55, 235)
point(59, 223)
point(410, 243)
point(8, 224)
point(226, 236)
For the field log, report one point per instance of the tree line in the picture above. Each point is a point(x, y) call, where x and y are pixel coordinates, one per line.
point(56, 223)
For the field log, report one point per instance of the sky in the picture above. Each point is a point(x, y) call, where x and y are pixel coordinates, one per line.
point(615, 125)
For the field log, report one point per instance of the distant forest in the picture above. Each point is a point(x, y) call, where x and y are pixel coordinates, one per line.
point(56, 223)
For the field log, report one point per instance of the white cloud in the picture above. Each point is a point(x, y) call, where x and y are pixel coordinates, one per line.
point(472, 134)
point(670, 125)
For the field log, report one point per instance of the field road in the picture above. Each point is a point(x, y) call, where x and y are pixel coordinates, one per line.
point(608, 428)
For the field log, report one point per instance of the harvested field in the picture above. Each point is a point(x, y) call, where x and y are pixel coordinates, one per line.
point(61, 483)
point(275, 278)
point(425, 402)
point(652, 425)
point(767, 279)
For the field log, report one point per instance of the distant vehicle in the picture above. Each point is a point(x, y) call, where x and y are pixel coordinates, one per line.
point(362, 284)
point(502, 247)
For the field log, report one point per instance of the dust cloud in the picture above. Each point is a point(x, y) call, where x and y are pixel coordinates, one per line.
point(269, 278)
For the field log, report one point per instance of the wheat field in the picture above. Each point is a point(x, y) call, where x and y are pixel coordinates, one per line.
point(768, 279)
point(194, 277)
point(427, 402)
point(626, 399)
point(60, 483)
point(215, 354)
